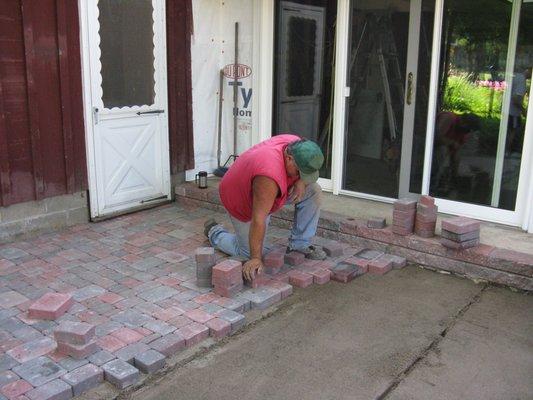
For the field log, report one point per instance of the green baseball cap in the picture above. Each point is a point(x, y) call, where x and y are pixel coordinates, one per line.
point(308, 157)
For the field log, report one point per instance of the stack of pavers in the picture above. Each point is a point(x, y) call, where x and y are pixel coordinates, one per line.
point(75, 339)
point(460, 233)
point(426, 217)
point(403, 216)
point(227, 278)
point(205, 261)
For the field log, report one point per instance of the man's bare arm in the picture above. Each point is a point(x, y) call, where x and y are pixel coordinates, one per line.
point(265, 191)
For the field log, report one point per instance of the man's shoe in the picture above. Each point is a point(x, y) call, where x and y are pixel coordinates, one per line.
point(311, 252)
point(208, 225)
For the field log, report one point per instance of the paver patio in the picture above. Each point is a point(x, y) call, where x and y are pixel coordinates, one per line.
point(134, 279)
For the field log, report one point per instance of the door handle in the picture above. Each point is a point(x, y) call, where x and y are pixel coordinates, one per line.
point(409, 88)
point(150, 112)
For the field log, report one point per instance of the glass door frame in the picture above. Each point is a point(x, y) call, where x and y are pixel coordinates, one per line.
point(343, 27)
point(263, 40)
point(523, 214)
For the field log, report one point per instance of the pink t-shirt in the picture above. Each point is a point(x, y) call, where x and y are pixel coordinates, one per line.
point(264, 159)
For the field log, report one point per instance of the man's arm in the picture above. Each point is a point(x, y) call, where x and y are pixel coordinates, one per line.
point(297, 191)
point(265, 191)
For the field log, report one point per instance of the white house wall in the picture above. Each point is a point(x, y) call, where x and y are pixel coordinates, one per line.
point(212, 47)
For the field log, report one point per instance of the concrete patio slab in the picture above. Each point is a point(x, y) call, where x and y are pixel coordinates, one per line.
point(372, 339)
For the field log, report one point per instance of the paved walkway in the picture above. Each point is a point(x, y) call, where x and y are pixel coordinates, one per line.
point(134, 279)
point(412, 334)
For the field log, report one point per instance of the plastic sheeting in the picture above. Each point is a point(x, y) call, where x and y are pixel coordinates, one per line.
point(212, 48)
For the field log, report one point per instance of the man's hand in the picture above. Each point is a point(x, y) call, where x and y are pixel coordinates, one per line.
point(252, 268)
point(297, 191)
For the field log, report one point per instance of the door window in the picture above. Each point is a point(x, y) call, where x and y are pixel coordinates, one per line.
point(127, 52)
point(301, 56)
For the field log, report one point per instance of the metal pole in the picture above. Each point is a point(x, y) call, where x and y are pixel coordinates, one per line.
point(220, 102)
point(235, 88)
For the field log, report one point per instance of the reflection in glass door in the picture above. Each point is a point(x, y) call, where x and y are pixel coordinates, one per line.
point(485, 67)
point(389, 41)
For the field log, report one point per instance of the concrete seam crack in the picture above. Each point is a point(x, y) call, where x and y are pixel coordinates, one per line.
point(405, 373)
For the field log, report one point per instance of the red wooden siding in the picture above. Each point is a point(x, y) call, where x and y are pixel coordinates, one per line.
point(179, 29)
point(42, 135)
point(42, 151)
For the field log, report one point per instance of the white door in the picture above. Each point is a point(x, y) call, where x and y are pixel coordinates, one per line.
point(301, 44)
point(126, 102)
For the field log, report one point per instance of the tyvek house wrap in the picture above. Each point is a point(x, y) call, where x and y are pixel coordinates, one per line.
point(212, 48)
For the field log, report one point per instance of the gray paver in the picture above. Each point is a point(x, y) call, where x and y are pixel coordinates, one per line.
point(87, 292)
point(54, 390)
point(158, 294)
point(129, 352)
point(236, 319)
point(9, 312)
point(262, 297)
point(84, 378)
point(186, 295)
point(12, 324)
point(70, 363)
point(101, 358)
point(147, 263)
point(368, 254)
point(398, 262)
point(12, 253)
point(7, 377)
point(11, 299)
point(193, 286)
point(74, 332)
point(131, 318)
point(120, 373)
point(211, 308)
point(149, 361)
point(39, 371)
point(107, 327)
point(169, 344)
point(238, 304)
point(150, 338)
point(27, 333)
point(7, 362)
point(160, 327)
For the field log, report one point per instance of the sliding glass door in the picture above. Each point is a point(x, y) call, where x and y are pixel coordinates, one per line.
point(390, 52)
point(441, 108)
point(486, 53)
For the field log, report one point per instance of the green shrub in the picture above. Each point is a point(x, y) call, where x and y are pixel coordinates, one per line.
point(462, 96)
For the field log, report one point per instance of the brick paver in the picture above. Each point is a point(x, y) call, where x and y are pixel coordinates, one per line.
point(50, 306)
point(132, 295)
point(84, 378)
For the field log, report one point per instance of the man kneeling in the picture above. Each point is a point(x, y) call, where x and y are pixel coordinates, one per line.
point(280, 170)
